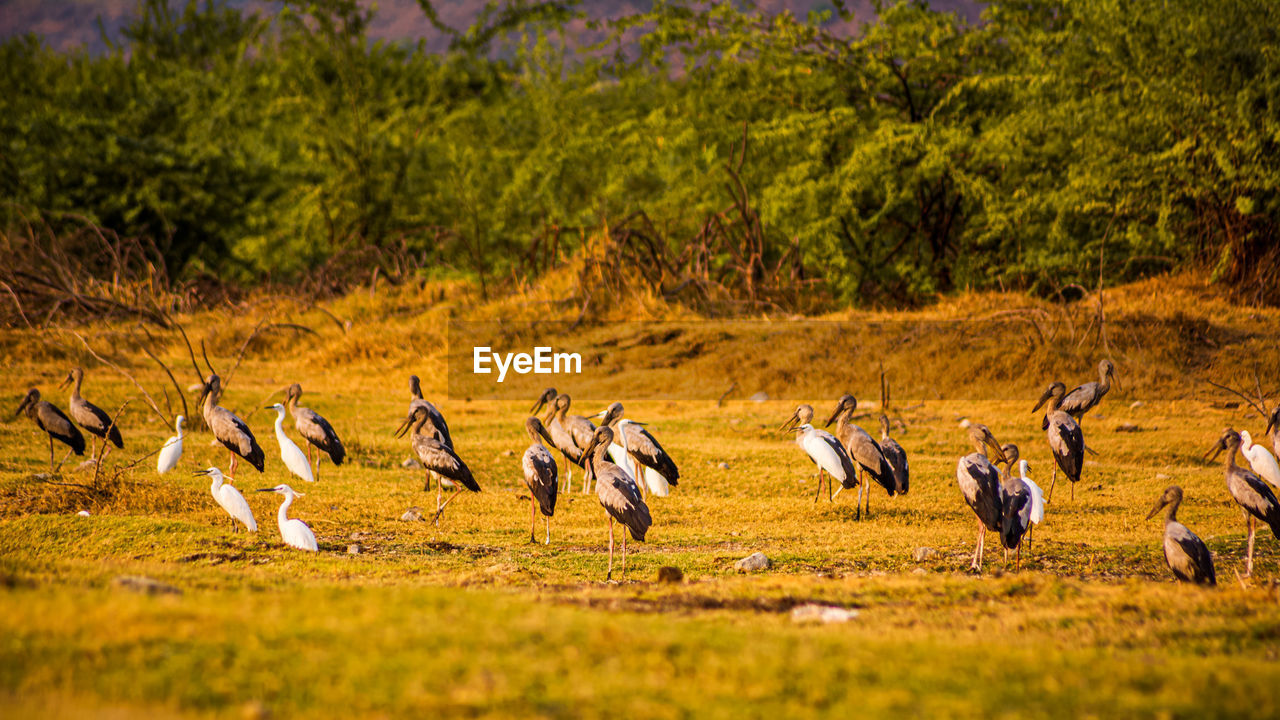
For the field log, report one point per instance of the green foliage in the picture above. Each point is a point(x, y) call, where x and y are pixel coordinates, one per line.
point(919, 156)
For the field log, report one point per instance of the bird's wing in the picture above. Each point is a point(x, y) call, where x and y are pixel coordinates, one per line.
point(896, 458)
point(441, 459)
point(979, 482)
point(620, 497)
point(1017, 514)
point(645, 447)
point(52, 420)
point(830, 455)
point(170, 454)
point(319, 432)
point(1081, 399)
point(1187, 555)
point(541, 476)
point(1254, 495)
point(297, 534)
point(435, 417)
point(95, 420)
point(866, 452)
point(563, 441)
point(1067, 442)
point(234, 503)
point(580, 429)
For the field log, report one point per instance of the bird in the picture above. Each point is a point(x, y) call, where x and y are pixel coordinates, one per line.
point(895, 456)
point(541, 477)
point(618, 495)
point(862, 449)
point(571, 434)
point(171, 451)
point(1249, 491)
point(291, 454)
point(979, 483)
point(1083, 398)
point(823, 449)
point(1066, 439)
point(293, 531)
point(438, 426)
point(561, 438)
point(1037, 497)
point(315, 429)
point(1016, 503)
point(86, 414)
point(652, 464)
point(1184, 552)
point(1262, 461)
point(54, 422)
point(437, 457)
point(229, 498)
point(228, 429)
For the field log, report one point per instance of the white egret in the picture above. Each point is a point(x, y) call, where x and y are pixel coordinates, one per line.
point(293, 531)
point(171, 452)
point(229, 498)
point(1262, 461)
point(291, 454)
point(823, 449)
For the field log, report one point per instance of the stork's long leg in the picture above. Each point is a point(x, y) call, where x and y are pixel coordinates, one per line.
point(862, 482)
point(977, 548)
point(609, 575)
point(1018, 565)
point(1049, 495)
point(440, 510)
point(644, 486)
point(818, 493)
point(533, 519)
point(625, 533)
point(548, 540)
point(1029, 529)
point(864, 475)
point(439, 492)
point(1248, 568)
point(1073, 491)
point(232, 471)
point(568, 464)
point(51, 454)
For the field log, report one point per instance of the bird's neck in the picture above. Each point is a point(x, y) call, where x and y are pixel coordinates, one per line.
point(282, 516)
point(280, 422)
point(1231, 457)
point(75, 386)
point(1171, 513)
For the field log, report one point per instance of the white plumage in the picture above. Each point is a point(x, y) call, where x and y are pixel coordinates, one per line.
point(293, 531)
point(619, 454)
point(230, 498)
point(291, 454)
point(1037, 495)
point(1262, 462)
point(822, 450)
point(171, 452)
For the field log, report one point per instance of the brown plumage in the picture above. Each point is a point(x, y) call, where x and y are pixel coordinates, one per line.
point(642, 448)
point(228, 429)
point(1083, 398)
point(979, 483)
point(1249, 491)
point(571, 435)
point(52, 421)
point(1066, 439)
point(437, 457)
point(317, 431)
point(86, 414)
point(618, 495)
point(862, 449)
point(895, 456)
point(540, 476)
point(1184, 552)
point(436, 425)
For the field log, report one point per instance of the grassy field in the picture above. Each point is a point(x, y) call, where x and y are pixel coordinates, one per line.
point(470, 619)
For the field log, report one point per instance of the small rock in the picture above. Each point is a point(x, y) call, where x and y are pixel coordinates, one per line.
point(411, 463)
point(735, 421)
point(821, 614)
point(735, 533)
point(139, 583)
point(1128, 427)
point(413, 514)
point(923, 553)
point(754, 562)
point(508, 453)
point(723, 466)
point(1136, 404)
point(964, 422)
point(86, 465)
point(670, 574)
point(759, 397)
point(353, 549)
point(1162, 476)
point(42, 477)
point(919, 571)
point(83, 513)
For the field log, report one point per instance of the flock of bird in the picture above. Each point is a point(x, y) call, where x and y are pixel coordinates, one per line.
point(626, 463)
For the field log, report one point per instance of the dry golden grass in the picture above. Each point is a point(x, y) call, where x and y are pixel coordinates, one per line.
point(471, 619)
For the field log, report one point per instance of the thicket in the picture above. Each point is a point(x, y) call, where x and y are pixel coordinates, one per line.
point(706, 151)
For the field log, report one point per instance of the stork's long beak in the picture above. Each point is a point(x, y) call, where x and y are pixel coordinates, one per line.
point(600, 414)
point(1043, 398)
point(1216, 450)
point(1271, 422)
point(834, 415)
point(22, 406)
point(65, 381)
point(403, 428)
point(1155, 510)
point(790, 423)
point(999, 451)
